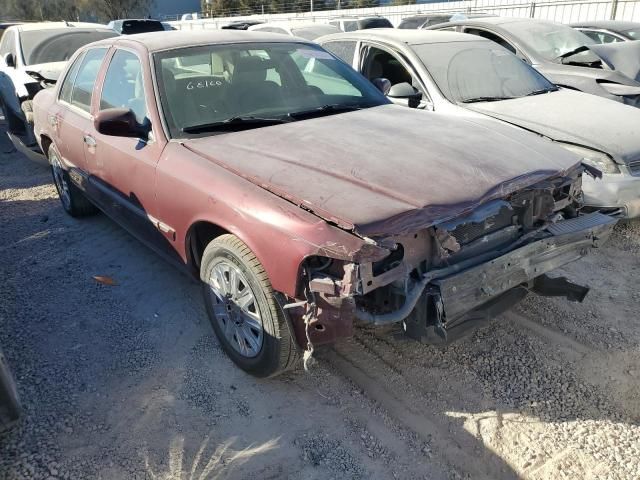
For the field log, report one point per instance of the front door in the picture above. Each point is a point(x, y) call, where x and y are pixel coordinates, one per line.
point(123, 179)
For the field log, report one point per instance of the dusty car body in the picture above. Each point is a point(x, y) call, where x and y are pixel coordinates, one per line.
point(377, 228)
point(565, 56)
point(32, 56)
point(462, 74)
point(350, 24)
point(425, 20)
point(609, 31)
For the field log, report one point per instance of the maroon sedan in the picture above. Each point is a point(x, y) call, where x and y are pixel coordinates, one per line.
point(303, 200)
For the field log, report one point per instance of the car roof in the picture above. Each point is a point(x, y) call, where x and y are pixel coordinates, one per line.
point(137, 20)
point(169, 40)
point(410, 37)
point(290, 24)
point(25, 27)
point(615, 25)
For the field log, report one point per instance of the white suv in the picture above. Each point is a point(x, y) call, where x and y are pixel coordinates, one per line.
point(31, 58)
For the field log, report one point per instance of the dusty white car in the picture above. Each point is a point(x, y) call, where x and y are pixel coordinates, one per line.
point(31, 58)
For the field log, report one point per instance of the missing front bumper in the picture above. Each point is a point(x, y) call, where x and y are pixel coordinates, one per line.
point(451, 306)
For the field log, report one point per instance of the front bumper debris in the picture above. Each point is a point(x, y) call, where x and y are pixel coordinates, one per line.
point(449, 305)
point(618, 193)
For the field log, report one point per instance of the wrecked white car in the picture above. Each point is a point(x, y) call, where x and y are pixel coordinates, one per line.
point(31, 58)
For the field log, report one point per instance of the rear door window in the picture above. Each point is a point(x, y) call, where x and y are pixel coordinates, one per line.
point(85, 79)
point(67, 84)
point(491, 36)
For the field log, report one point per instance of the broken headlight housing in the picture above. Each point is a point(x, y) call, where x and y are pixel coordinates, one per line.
point(596, 159)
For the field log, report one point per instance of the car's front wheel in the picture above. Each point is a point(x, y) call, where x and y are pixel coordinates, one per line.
point(72, 198)
point(244, 311)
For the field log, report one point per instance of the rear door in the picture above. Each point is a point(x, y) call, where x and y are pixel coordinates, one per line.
point(73, 116)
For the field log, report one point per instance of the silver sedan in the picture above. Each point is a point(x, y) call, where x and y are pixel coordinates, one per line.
point(458, 73)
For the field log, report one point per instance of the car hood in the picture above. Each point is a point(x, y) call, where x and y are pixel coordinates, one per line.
point(387, 170)
point(50, 71)
point(574, 117)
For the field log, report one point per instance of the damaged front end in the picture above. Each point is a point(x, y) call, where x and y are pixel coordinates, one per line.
point(443, 280)
point(20, 130)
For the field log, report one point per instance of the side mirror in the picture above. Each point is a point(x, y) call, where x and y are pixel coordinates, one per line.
point(10, 60)
point(119, 122)
point(404, 91)
point(382, 84)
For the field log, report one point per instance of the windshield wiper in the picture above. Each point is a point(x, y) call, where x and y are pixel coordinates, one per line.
point(541, 91)
point(234, 122)
point(325, 110)
point(486, 99)
point(570, 53)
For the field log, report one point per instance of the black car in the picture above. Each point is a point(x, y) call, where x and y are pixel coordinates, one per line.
point(132, 26)
point(9, 401)
point(241, 24)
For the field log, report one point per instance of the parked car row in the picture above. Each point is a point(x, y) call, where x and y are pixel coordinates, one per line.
point(305, 201)
point(280, 173)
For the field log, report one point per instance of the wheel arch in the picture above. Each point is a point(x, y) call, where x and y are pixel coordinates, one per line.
point(45, 143)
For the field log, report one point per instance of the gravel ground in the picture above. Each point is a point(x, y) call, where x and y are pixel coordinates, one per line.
point(129, 382)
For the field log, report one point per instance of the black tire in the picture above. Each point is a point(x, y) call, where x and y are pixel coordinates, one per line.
point(9, 399)
point(72, 198)
point(279, 351)
point(15, 125)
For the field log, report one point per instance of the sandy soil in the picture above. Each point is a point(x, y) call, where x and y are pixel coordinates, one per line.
point(128, 381)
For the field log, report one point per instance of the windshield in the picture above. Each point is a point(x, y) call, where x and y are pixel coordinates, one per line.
point(311, 33)
point(552, 40)
point(635, 33)
point(57, 45)
point(477, 71)
point(276, 81)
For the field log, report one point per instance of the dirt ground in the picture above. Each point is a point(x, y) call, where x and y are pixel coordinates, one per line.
point(129, 382)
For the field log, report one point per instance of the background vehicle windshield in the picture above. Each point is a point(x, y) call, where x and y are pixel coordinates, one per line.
point(57, 45)
point(214, 83)
point(466, 71)
point(551, 40)
point(635, 34)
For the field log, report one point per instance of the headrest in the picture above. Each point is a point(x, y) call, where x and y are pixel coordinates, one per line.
point(250, 69)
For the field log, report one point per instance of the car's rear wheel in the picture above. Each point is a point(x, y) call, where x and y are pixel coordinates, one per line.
point(245, 314)
point(9, 401)
point(72, 198)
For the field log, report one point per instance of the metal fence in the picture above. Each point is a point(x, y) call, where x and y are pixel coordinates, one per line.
point(559, 11)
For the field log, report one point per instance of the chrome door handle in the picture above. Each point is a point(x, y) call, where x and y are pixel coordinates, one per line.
point(90, 141)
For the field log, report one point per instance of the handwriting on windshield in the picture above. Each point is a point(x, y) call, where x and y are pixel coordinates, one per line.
point(203, 84)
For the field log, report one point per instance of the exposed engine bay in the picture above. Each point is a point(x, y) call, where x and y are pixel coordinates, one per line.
point(443, 280)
